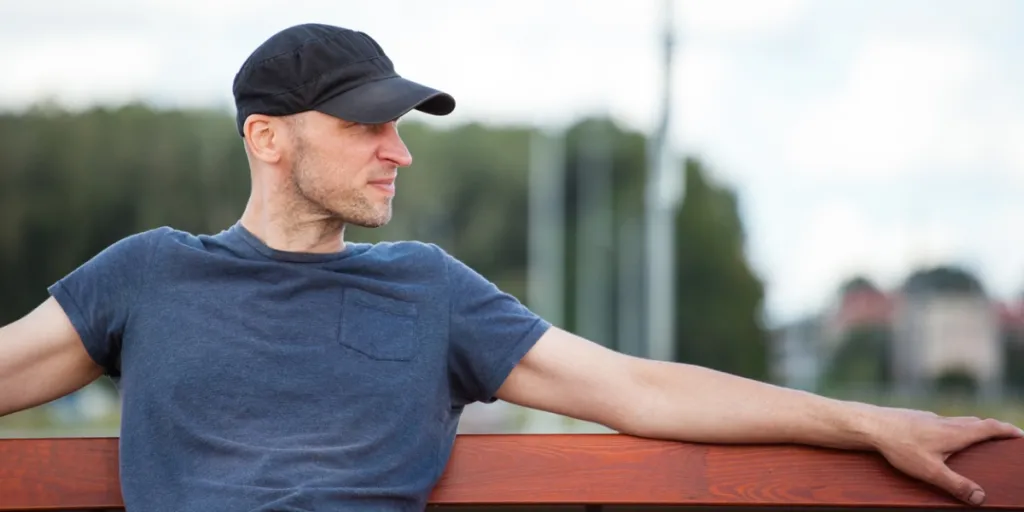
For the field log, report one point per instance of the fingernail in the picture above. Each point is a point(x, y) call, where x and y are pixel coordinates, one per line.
point(977, 497)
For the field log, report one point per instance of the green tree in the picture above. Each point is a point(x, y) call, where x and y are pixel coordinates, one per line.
point(1013, 359)
point(627, 154)
point(719, 298)
point(72, 183)
point(862, 357)
point(956, 381)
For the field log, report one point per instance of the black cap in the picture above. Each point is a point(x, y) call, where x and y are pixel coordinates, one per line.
point(334, 70)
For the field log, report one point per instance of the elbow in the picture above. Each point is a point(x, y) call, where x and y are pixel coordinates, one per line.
point(640, 408)
point(641, 419)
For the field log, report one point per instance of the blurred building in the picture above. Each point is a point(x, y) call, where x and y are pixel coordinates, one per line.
point(1011, 317)
point(938, 331)
point(797, 352)
point(946, 327)
point(860, 304)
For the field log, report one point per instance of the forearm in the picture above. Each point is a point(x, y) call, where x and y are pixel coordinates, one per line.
point(691, 403)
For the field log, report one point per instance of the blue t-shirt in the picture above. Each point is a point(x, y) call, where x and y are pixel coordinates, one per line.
point(260, 380)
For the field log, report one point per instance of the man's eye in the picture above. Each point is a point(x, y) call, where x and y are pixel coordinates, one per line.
point(378, 128)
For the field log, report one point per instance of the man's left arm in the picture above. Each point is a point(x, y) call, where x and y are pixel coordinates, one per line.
point(569, 375)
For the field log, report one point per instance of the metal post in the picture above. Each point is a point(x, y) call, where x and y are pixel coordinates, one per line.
point(629, 248)
point(546, 247)
point(662, 193)
point(594, 235)
point(546, 226)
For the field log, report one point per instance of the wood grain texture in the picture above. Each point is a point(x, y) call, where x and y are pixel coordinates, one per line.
point(59, 474)
point(613, 469)
point(72, 473)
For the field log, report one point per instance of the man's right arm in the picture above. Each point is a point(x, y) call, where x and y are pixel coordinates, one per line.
point(42, 358)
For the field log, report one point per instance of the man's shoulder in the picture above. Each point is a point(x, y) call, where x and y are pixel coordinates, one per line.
point(147, 243)
point(151, 236)
point(402, 250)
point(407, 260)
point(137, 245)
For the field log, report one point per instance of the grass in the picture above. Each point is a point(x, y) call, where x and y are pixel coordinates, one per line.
point(40, 422)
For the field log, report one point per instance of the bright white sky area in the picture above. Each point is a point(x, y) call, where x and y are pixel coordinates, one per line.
point(868, 136)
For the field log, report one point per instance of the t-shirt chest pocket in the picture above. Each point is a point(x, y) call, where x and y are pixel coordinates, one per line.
point(378, 327)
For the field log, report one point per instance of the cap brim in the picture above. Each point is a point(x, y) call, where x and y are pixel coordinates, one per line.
point(385, 100)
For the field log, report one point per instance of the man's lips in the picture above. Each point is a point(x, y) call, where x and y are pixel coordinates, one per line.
point(386, 185)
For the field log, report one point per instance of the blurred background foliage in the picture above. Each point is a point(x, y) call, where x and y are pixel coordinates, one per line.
point(72, 183)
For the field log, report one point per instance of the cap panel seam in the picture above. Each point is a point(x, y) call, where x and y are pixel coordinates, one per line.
point(321, 75)
point(249, 67)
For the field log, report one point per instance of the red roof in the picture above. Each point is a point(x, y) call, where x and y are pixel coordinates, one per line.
point(864, 307)
point(873, 308)
point(1011, 315)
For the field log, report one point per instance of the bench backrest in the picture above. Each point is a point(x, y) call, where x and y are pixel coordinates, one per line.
point(585, 469)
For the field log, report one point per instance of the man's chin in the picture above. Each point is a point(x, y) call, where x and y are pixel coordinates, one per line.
point(368, 216)
point(371, 223)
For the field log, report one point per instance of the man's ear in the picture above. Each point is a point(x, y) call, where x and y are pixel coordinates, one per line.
point(263, 137)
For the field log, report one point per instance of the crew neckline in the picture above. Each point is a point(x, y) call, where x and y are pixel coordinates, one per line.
point(261, 248)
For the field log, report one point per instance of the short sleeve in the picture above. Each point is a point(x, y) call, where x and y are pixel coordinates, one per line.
point(98, 296)
point(490, 332)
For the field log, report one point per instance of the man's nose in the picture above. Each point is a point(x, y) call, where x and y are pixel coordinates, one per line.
point(394, 148)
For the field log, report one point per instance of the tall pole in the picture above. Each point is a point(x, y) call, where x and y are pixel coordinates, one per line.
point(631, 316)
point(661, 197)
point(546, 247)
point(546, 226)
point(594, 234)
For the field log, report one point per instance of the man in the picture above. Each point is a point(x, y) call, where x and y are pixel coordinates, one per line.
point(274, 366)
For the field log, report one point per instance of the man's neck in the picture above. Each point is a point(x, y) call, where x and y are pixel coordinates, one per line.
point(294, 232)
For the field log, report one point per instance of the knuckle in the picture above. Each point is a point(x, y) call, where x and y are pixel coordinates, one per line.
point(955, 483)
point(992, 424)
point(935, 473)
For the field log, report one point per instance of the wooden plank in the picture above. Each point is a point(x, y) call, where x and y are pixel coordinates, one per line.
point(59, 474)
point(71, 473)
point(612, 469)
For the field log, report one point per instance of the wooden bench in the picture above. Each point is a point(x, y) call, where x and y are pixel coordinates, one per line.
point(586, 472)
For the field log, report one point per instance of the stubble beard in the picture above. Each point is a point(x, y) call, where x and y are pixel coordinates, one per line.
point(344, 207)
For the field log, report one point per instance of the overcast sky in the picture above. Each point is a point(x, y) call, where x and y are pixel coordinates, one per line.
point(862, 135)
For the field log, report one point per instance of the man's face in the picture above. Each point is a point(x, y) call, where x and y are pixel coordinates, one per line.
point(348, 170)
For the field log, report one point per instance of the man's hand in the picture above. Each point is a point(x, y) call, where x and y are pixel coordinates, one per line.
point(918, 443)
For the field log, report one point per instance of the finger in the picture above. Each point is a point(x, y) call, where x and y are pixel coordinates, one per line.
point(994, 429)
point(959, 486)
point(977, 431)
point(965, 419)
